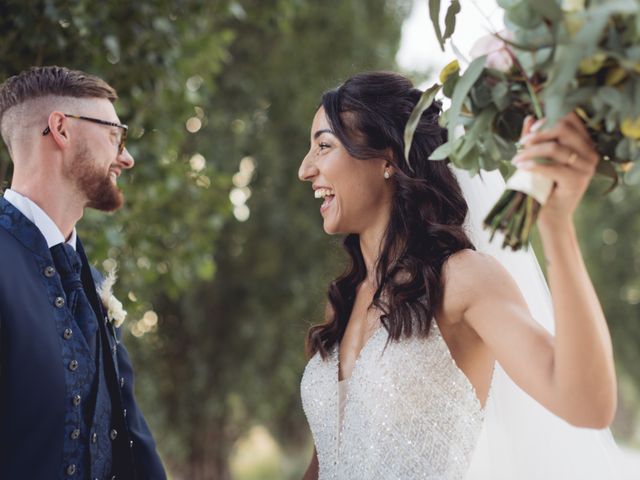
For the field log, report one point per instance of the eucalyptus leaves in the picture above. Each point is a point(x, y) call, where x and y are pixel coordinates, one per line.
point(553, 58)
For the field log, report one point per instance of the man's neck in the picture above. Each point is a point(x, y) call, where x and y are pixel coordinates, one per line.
point(62, 211)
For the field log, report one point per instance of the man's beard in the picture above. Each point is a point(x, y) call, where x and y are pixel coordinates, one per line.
point(96, 185)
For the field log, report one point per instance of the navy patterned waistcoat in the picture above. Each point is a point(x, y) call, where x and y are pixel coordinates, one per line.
point(64, 412)
point(85, 453)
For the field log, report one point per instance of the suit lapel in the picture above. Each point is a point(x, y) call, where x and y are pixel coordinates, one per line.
point(23, 229)
point(89, 285)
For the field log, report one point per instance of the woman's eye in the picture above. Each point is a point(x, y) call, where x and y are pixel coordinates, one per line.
point(322, 146)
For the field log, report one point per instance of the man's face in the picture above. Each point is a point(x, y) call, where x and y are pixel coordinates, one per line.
point(95, 164)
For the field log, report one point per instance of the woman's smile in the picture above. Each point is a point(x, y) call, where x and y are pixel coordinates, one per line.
point(328, 195)
point(355, 195)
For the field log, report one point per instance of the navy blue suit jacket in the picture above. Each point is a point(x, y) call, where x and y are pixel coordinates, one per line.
point(32, 385)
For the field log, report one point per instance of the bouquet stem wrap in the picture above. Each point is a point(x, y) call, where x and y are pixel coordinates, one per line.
point(517, 210)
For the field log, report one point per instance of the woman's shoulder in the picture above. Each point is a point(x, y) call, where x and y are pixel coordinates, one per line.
point(467, 275)
point(467, 263)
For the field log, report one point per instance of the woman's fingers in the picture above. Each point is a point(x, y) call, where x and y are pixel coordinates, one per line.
point(576, 122)
point(572, 161)
point(567, 135)
point(572, 120)
point(557, 153)
point(526, 125)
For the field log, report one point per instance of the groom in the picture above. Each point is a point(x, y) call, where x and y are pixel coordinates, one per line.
point(67, 409)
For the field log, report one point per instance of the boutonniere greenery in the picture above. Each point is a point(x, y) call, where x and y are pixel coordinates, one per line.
point(115, 312)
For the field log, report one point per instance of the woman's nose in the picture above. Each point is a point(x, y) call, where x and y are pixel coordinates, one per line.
point(307, 169)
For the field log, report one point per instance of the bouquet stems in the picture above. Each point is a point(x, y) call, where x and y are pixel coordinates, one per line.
point(514, 215)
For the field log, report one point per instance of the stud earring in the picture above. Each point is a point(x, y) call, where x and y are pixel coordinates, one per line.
point(386, 174)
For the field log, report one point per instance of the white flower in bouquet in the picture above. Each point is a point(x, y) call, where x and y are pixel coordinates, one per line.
point(573, 5)
point(557, 57)
point(497, 51)
point(499, 57)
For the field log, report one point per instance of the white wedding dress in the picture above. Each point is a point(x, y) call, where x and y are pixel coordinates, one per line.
point(409, 412)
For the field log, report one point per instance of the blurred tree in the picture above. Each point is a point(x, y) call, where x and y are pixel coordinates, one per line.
point(220, 251)
point(609, 232)
point(249, 322)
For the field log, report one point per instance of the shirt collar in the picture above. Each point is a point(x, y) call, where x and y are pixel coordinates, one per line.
point(39, 218)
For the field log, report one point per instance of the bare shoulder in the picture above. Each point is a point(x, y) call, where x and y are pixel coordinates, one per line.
point(469, 275)
point(468, 267)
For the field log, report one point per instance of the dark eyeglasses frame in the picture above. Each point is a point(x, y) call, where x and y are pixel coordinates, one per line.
point(123, 137)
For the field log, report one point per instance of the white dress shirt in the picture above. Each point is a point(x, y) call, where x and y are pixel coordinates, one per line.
point(39, 218)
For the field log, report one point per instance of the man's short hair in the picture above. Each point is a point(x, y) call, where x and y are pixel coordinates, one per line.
point(52, 81)
point(42, 83)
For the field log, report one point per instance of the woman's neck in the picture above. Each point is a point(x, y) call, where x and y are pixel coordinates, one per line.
point(371, 247)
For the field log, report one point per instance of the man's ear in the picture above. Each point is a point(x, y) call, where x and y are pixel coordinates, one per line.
point(59, 129)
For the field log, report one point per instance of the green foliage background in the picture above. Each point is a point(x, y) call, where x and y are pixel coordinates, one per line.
point(233, 299)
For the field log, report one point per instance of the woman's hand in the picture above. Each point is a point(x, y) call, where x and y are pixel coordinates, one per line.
point(581, 382)
point(572, 163)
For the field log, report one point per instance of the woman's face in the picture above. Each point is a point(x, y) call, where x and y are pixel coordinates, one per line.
point(354, 193)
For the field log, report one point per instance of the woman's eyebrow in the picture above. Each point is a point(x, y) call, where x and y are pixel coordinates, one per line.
point(320, 132)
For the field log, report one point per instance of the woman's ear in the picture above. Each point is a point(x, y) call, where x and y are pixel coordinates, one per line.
point(389, 170)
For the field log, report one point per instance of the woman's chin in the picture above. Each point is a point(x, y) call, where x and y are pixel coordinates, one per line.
point(336, 230)
point(331, 228)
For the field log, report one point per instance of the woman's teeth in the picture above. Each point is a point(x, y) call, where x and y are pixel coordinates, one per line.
point(327, 194)
point(323, 193)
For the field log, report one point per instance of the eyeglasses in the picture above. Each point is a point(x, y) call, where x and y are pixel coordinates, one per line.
point(123, 136)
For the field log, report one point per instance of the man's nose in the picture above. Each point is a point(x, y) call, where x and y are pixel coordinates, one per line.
point(126, 160)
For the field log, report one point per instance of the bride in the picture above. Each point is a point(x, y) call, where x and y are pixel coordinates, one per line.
point(405, 374)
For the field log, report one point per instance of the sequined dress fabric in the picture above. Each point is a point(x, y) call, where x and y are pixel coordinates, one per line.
point(409, 412)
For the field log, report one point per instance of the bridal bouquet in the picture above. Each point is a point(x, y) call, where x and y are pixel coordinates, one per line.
point(553, 57)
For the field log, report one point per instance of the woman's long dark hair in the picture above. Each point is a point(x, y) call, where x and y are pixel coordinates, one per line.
point(368, 114)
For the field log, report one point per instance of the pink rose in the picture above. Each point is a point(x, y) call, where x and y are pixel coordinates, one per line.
point(496, 50)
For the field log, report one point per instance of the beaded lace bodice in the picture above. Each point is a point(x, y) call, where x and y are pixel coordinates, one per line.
point(409, 412)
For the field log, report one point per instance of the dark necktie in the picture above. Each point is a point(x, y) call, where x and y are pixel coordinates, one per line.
point(69, 266)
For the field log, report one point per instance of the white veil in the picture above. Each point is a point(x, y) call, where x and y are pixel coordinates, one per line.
point(520, 439)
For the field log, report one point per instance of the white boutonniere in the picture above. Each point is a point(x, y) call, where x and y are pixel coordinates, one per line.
point(115, 312)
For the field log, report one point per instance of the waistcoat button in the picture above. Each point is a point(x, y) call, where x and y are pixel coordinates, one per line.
point(68, 333)
point(75, 434)
point(59, 302)
point(71, 469)
point(49, 271)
